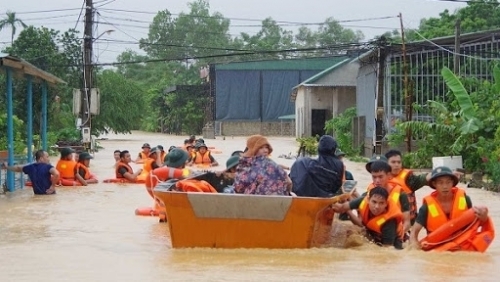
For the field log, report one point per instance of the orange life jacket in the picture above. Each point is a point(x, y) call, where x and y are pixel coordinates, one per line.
point(144, 156)
point(394, 193)
point(163, 155)
point(79, 166)
point(375, 224)
point(202, 159)
point(148, 164)
point(121, 164)
point(66, 168)
point(435, 214)
point(193, 185)
point(401, 180)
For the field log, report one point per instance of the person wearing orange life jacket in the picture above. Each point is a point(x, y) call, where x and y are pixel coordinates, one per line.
point(154, 160)
point(381, 176)
point(124, 170)
point(146, 148)
point(446, 203)
point(203, 156)
point(407, 180)
point(162, 153)
point(175, 159)
point(66, 164)
point(381, 218)
point(82, 172)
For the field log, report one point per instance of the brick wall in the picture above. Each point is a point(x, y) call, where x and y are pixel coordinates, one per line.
point(245, 128)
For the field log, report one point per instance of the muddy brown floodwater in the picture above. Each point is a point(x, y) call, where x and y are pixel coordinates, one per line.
point(91, 234)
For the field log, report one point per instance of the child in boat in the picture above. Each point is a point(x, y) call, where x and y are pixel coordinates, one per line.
point(224, 179)
point(257, 174)
point(82, 172)
point(381, 218)
point(446, 203)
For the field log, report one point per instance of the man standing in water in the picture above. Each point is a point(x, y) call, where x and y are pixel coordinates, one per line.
point(42, 174)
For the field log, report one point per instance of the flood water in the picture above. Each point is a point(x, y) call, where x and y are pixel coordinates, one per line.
point(91, 234)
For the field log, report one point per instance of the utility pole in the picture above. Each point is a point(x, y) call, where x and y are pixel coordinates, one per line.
point(87, 74)
point(456, 55)
point(379, 122)
point(408, 96)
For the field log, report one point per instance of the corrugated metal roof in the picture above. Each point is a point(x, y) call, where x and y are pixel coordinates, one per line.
point(21, 66)
point(291, 64)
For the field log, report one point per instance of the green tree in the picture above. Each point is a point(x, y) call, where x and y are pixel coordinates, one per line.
point(197, 33)
point(271, 37)
point(476, 16)
point(122, 104)
point(49, 57)
point(11, 21)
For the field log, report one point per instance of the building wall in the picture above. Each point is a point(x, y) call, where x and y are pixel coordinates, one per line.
point(247, 128)
point(344, 98)
point(299, 111)
point(333, 99)
point(366, 88)
point(343, 75)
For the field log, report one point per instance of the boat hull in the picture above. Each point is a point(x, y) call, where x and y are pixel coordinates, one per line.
point(247, 221)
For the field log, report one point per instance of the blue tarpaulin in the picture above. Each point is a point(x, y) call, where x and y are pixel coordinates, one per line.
point(255, 95)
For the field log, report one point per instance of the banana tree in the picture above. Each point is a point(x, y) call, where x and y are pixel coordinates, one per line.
point(458, 126)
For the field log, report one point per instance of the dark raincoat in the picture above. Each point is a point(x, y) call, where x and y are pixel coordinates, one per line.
point(320, 177)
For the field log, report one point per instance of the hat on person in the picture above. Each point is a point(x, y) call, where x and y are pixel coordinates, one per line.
point(146, 145)
point(171, 148)
point(85, 156)
point(160, 147)
point(442, 171)
point(66, 152)
point(153, 151)
point(374, 159)
point(232, 162)
point(339, 153)
point(200, 140)
point(254, 143)
point(176, 158)
point(200, 144)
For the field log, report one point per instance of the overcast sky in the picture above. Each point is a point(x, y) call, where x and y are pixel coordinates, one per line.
point(306, 11)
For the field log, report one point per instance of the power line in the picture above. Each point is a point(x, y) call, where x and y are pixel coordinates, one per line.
point(246, 19)
point(48, 18)
point(81, 11)
point(47, 11)
point(334, 47)
point(466, 1)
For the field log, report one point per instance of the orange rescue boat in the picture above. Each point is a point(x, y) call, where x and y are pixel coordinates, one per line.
point(217, 220)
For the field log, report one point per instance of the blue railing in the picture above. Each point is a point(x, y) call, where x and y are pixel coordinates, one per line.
point(19, 177)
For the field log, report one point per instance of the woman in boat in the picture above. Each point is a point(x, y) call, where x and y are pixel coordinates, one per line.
point(445, 204)
point(258, 174)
